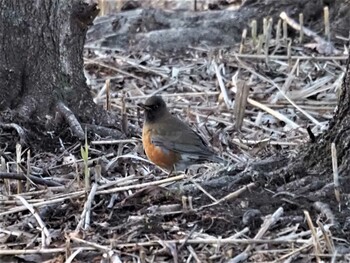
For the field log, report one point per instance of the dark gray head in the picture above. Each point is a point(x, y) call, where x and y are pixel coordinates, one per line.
point(155, 108)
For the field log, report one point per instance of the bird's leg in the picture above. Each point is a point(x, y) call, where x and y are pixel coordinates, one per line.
point(171, 171)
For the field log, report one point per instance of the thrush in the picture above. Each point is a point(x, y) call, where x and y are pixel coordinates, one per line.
point(169, 142)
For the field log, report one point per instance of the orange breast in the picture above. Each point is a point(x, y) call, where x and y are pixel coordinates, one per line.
point(163, 158)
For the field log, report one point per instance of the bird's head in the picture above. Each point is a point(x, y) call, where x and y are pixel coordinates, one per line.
point(155, 108)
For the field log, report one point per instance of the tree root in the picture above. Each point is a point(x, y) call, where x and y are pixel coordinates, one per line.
point(33, 179)
point(21, 131)
point(77, 127)
point(104, 131)
point(72, 121)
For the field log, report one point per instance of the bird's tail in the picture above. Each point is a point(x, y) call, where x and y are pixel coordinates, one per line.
point(217, 159)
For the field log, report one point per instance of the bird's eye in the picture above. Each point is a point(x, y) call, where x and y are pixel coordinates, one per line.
point(156, 106)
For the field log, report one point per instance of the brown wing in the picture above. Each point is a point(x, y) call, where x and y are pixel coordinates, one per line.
point(178, 137)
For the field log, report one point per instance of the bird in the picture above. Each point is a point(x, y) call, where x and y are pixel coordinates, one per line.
point(169, 142)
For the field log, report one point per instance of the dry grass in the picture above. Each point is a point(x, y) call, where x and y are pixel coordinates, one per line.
point(286, 94)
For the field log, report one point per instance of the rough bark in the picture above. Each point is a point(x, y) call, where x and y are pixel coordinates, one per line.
point(318, 154)
point(41, 60)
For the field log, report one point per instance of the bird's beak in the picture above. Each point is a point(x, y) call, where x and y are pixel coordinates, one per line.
point(143, 106)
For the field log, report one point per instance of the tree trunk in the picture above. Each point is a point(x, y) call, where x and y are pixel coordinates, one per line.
point(41, 62)
point(318, 155)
